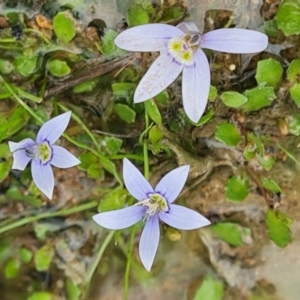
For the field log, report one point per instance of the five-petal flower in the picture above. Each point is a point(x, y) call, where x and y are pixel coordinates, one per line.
point(153, 205)
point(180, 51)
point(42, 153)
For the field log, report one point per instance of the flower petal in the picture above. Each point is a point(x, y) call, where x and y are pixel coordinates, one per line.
point(135, 182)
point(235, 40)
point(121, 218)
point(149, 242)
point(62, 158)
point(183, 218)
point(54, 128)
point(18, 150)
point(172, 183)
point(43, 177)
point(147, 38)
point(160, 75)
point(195, 86)
point(188, 27)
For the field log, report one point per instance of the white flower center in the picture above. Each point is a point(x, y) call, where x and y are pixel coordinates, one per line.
point(42, 152)
point(155, 203)
point(184, 48)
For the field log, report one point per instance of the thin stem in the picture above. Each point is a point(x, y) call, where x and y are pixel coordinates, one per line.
point(65, 212)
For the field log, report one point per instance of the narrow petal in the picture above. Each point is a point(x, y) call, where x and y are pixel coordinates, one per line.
point(234, 40)
point(43, 177)
point(172, 183)
point(62, 158)
point(135, 182)
point(18, 150)
point(183, 218)
point(149, 242)
point(160, 75)
point(147, 38)
point(195, 86)
point(54, 128)
point(121, 218)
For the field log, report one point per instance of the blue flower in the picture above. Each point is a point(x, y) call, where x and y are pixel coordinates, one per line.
point(153, 205)
point(42, 153)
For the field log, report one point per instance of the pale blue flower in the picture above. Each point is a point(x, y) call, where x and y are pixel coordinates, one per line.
point(42, 153)
point(154, 205)
point(180, 51)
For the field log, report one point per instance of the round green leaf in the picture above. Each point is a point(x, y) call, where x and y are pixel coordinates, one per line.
point(237, 188)
point(25, 255)
point(228, 134)
point(5, 167)
point(210, 289)
point(288, 17)
point(269, 72)
point(11, 268)
point(295, 93)
point(233, 99)
point(6, 66)
point(43, 258)
point(108, 45)
point(125, 112)
point(113, 201)
point(63, 26)
point(40, 296)
point(58, 68)
point(26, 66)
point(136, 15)
point(153, 111)
point(293, 70)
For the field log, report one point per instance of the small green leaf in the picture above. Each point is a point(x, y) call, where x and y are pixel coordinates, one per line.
point(113, 201)
point(210, 289)
point(271, 185)
point(288, 17)
point(269, 72)
point(153, 111)
point(254, 146)
point(293, 71)
point(294, 124)
point(123, 89)
point(73, 291)
point(205, 118)
point(112, 144)
point(271, 28)
point(26, 66)
point(213, 93)
point(233, 99)
point(6, 67)
point(12, 268)
point(40, 296)
point(25, 255)
point(295, 93)
point(278, 230)
point(95, 171)
point(231, 233)
point(237, 188)
point(266, 161)
point(162, 98)
point(64, 26)
point(258, 98)
point(86, 86)
point(41, 229)
point(5, 167)
point(108, 46)
point(125, 112)
point(155, 135)
point(136, 15)
point(58, 68)
point(228, 134)
point(43, 258)
point(86, 160)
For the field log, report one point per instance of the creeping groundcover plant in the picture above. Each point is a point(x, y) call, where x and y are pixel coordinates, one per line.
point(42, 153)
point(153, 205)
point(180, 50)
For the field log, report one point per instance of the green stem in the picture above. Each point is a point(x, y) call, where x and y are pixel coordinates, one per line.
point(134, 228)
point(31, 219)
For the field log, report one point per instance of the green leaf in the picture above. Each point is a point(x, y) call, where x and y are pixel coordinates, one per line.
point(125, 112)
point(153, 111)
point(136, 15)
point(271, 185)
point(213, 93)
point(25, 255)
point(73, 291)
point(58, 68)
point(86, 86)
point(41, 229)
point(266, 161)
point(162, 98)
point(6, 67)
point(26, 66)
point(210, 289)
point(254, 146)
point(269, 72)
point(12, 268)
point(86, 160)
point(95, 171)
point(123, 89)
point(14, 194)
point(205, 118)
point(5, 167)
point(233, 99)
point(112, 144)
point(294, 124)
point(288, 17)
point(113, 201)
point(237, 188)
point(293, 71)
point(155, 135)
point(277, 226)
point(64, 26)
point(109, 166)
point(228, 134)
point(271, 28)
point(258, 98)
point(43, 258)
point(295, 93)
point(40, 296)
point(108, 46)
point(231, 233)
